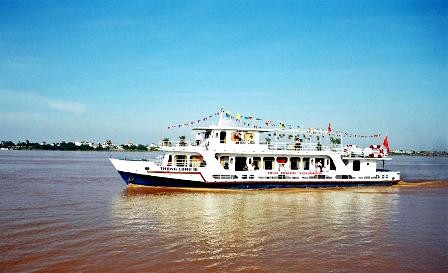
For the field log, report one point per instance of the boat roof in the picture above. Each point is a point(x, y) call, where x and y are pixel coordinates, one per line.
point(232, 128)
point(246, 129)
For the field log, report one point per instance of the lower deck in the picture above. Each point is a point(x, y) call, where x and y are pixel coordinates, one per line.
point(150, 180)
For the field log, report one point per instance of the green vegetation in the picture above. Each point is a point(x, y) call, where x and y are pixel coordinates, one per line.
point(335, 140)
point(132, 147)
point(75, 146)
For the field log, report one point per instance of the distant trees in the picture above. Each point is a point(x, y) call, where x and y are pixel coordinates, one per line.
point(132, 147)
point(7, 144)
point(71, 146)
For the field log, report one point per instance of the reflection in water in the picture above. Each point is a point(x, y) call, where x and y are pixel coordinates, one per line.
point(244, 230)
point(67, 212)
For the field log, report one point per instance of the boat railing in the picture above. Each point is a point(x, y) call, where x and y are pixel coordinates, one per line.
point(159, 160)
point(181, 143)
point(304, 147)
point(187, 163)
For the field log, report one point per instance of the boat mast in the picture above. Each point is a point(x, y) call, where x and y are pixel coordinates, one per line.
point(221, 119)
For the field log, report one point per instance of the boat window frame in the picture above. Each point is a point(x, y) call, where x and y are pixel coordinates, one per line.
point(222, 137)
point(297, 162)
point(272, 162)
point(306, 160)
point(357, 167)
point(185, 161)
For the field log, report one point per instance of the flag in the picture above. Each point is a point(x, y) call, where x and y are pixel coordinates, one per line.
point(386, 144)
point(329, 128)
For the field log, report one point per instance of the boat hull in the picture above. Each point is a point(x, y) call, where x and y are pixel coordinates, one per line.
point(155, 181)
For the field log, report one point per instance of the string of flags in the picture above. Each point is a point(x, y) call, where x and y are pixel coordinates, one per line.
point(255, 122)
point(195, 121)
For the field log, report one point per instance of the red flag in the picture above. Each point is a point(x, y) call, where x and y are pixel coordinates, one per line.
point(329, 128)
point(386, 144)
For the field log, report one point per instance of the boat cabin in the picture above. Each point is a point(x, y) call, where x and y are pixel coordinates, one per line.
point(228, 136)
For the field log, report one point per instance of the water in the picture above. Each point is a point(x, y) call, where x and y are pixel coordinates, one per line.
point(70, 211)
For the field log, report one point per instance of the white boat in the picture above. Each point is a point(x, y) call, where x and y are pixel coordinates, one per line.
point(224, 156)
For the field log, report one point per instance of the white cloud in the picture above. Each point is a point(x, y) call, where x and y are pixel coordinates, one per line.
point(19, 97)
point(66, 106)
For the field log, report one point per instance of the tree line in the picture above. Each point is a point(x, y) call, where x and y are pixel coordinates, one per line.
point(69, 146)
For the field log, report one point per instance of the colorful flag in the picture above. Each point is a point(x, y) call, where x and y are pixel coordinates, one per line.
point(386, 144)
point(329, 128)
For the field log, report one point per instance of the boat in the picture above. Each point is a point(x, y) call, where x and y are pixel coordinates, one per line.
point(230, 156)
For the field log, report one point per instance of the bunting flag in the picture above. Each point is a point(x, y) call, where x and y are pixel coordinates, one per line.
point(251, 121)
point(196, 121)
point(246, 121)
point(386, 144)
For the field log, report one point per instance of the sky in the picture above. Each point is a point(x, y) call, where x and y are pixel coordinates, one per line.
point(125, 70)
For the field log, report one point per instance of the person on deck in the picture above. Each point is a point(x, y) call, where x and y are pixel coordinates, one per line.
point(298, 144)
point(198, 138)
point(319, 166)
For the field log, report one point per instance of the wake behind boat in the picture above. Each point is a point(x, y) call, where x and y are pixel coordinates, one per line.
point(224, 156)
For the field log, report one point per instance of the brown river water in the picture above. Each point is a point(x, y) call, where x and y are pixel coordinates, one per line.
point(71, 212)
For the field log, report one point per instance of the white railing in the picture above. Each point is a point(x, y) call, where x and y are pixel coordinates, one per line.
point(178, 143)
point(187, 163)
point(307, 146)
point(304, 147)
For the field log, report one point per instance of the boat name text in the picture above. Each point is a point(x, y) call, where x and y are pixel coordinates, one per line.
point(183, 169)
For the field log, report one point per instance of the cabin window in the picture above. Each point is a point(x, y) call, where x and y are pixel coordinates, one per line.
point(224, 162)
point(332, 166)
point(170, 160)
point(181, 160)
point(222, 137)
point(257, 161)
point(295, 163)
point(282, 160)
point(249, 138)
point(235, 137)
point(306, 163)
point(356, 165)
point(240, 164)
point(320, 164)
point(196, 161)
point(268, 163)
point(344, 177)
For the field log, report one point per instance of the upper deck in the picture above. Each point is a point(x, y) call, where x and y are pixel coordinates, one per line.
point(243, 140)
point(227, 138)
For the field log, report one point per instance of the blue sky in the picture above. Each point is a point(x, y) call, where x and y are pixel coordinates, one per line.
point(124, 70)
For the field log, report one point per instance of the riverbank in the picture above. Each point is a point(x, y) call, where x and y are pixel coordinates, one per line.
point(76, 146)
point(420, 153)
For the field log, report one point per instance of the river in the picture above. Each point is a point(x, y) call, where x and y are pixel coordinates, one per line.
point(71, 212)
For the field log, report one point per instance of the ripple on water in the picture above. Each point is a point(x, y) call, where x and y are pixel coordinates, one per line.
point(69, 212)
